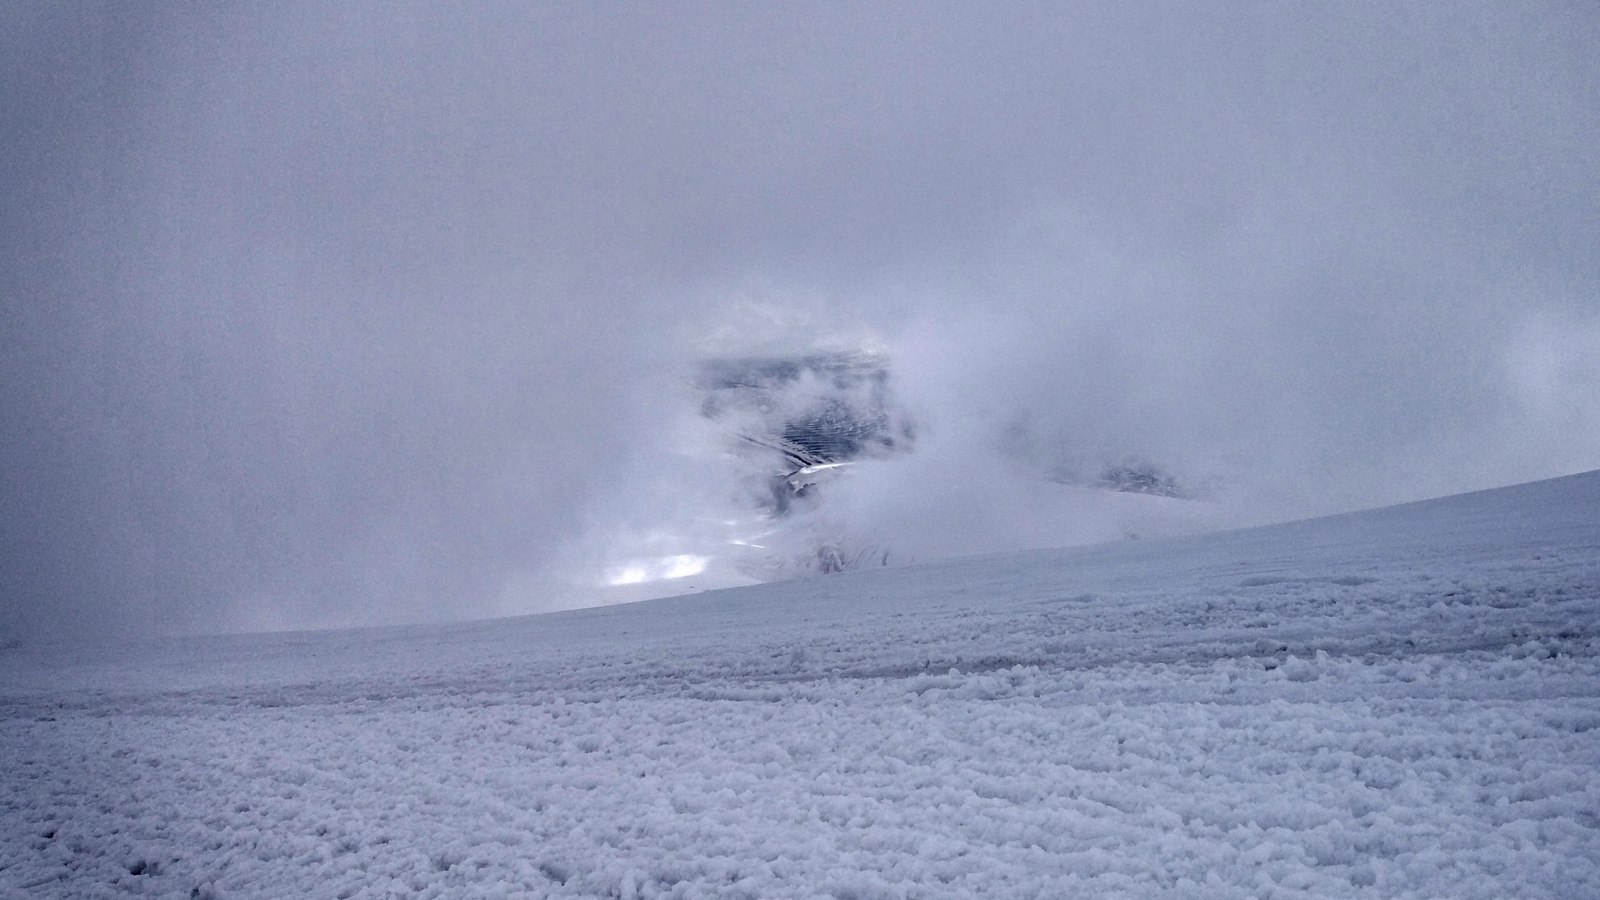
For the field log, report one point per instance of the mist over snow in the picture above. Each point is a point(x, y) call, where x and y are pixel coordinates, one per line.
point(322, 315)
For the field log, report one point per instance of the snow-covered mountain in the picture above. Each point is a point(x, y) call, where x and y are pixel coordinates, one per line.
point(1396, 703)
point(758, 477)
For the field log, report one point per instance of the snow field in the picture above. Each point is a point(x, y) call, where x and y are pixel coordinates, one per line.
point(1400, 704)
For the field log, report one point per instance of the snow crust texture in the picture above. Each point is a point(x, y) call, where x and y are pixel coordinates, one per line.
point(1403, 703)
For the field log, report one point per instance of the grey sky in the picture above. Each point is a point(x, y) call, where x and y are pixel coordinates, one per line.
point(340, 313)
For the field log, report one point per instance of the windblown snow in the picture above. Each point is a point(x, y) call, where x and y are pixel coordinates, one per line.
point(1400, 703)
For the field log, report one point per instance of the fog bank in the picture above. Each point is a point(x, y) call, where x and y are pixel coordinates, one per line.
point(382, 312)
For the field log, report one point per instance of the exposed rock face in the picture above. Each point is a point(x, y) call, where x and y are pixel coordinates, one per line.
point(802, 417)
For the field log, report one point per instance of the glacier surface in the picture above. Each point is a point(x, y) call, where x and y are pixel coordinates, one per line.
point(1397, 703)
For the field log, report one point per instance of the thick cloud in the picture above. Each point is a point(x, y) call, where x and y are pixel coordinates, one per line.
point(320, 315)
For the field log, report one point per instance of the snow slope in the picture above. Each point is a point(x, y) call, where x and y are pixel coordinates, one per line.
point(1398, 703)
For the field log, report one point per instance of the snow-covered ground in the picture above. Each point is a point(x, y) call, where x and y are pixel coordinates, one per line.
point(1400, 703)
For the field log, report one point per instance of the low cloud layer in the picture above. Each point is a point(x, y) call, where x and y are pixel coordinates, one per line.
point(377, 313)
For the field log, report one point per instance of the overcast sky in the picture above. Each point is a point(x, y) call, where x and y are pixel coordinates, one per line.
point(353, 313)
